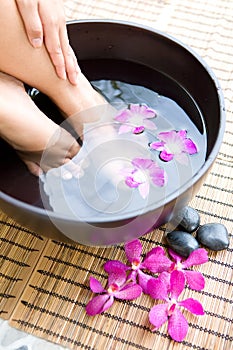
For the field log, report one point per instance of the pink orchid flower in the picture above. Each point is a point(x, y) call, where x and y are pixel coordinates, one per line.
point(169, 311)
point(143, 172)
point(174, 145)
point(118, 287)
point(133, 251)
point(194, 279)
point(136, 119)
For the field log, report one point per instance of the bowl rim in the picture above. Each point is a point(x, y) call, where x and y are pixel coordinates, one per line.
point(181, 190)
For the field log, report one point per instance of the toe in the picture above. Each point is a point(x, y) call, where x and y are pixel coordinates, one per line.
point(33, 168)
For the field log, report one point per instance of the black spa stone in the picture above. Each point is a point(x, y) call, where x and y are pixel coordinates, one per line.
point(188, 219)
point(213, 236)
point(183, 243)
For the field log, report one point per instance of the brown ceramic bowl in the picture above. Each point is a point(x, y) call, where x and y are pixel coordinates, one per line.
point(135, 54)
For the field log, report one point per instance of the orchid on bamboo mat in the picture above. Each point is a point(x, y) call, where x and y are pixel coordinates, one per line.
point(160, 278)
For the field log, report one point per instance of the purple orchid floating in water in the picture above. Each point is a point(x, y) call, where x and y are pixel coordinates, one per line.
point(119, 287)
point(174, 145)
point(144, 172)
point(133, 251)
point(194, 279)
point(136, 119)
point(169, 311)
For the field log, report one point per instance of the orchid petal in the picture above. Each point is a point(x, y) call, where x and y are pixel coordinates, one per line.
point(126, 171)
point(174, 255)
point(96, 286)
point(142, 110)
point(195, 280)
point(129, 292)
point(151, 113)
point(166, 136)
point(143, 279)
point(96, 305)
point(132, 276)
point(149, 124)
point(118, 276)
point(123, 116)
point(108, 303)
point(134, 108)
point(123, 129)
point(190, 146)
point(182, 134)
point(156, 263)
point(130, 181)
point(156, 251)
point(165, 278)
point(197, 257)
point(160, 178)
point(113, 265)
point(158, 315)
point(177, 282)
point(157, 289)
point(144, 189)
point(138, 129)
point(164, 155)
point(181, 158)
point(133, 250)
point(146, 111)
point(177, 326)
point(193, 305)
point(158, 145)
point(142, 163)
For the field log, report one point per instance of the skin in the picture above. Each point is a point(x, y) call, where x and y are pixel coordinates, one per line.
point(44, 22)
point(22, 124)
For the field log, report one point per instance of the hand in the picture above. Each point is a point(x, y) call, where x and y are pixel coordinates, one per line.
point(44, 22)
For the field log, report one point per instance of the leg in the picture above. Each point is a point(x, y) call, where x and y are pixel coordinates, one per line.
point(27, 129)
point(33, 66)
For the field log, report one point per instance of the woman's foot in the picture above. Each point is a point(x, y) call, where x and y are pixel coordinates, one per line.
point(29, 131)
point(80, 104)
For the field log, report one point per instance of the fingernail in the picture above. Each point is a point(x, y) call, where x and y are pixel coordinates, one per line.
point(63, 74)
point(37, 42)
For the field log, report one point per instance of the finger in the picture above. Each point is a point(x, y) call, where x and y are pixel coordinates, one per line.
point(72, 67)
point(52, 43)
point(51, 26)
point(71, 63)
point(32, 22)
point(73, 150)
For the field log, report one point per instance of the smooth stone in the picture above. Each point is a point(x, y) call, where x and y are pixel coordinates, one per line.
point(182, 242)
point(188, 219)
point(213, 236)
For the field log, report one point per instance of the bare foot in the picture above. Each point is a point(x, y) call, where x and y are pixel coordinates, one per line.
point(80, 104)
point(29, 131)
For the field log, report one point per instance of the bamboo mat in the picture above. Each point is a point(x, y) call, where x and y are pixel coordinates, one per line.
point(45, 284)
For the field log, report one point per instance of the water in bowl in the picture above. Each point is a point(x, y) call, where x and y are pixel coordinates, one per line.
point(101, 190)
point(122, 83)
